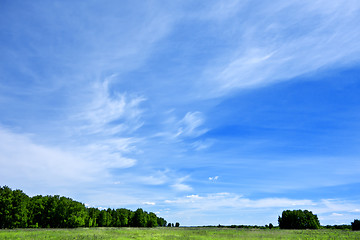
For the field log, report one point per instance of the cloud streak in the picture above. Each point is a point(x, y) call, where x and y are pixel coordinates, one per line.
point(285, 40)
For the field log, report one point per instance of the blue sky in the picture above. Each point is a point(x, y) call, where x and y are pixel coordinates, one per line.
point(204, 112)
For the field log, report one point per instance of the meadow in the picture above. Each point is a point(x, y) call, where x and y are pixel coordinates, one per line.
point(176, 233)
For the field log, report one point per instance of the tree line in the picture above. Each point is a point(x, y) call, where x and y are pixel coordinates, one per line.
point(18, 210)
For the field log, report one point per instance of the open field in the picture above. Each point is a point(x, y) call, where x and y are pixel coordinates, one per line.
point(175, 233)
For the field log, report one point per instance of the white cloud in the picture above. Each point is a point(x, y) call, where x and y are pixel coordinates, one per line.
point(337, 214)
point(149, 203)
point(282, 40)
point(25, 162)
point(202, 144)
point(336, 206)
point(159, 178)
point(182, 187)
point(213, 178)
point(189, 125)
point(109, 114)
point(202, 208)
point(106, 155)
point(179, 185)
point(220, 200)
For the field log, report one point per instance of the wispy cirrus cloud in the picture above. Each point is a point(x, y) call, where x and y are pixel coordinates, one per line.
point(219, 200)
point(283, 40)
point(189, 126)
point(109, 114)
point(181, 186)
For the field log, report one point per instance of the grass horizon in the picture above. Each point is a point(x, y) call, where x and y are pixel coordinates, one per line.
point(176, 233)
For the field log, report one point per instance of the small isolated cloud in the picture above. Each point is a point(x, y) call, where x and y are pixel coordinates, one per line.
point(148, 203)
point(213, 178)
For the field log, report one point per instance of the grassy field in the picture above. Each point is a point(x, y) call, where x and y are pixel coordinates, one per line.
point(175, 233)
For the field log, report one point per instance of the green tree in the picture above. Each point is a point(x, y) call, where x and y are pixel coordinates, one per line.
point(355, 226)
point(298, 219)
point(124, 216)
point(19, 209)
point(139, 219)
point(93, 216)
point(6, 200)
point(13, 208)
point(77, 215)
point(152, 220)
point(161, 222)
point(36, 209)
point(104, 219)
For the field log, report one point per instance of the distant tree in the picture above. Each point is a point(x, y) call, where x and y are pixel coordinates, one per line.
point(298, 219)
point(342, 227)
point(270, 226)
point(177, 224)
point(355, 226)
point(169, 225)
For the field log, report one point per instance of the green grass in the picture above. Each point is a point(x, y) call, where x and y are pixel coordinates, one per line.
point(175, 233)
